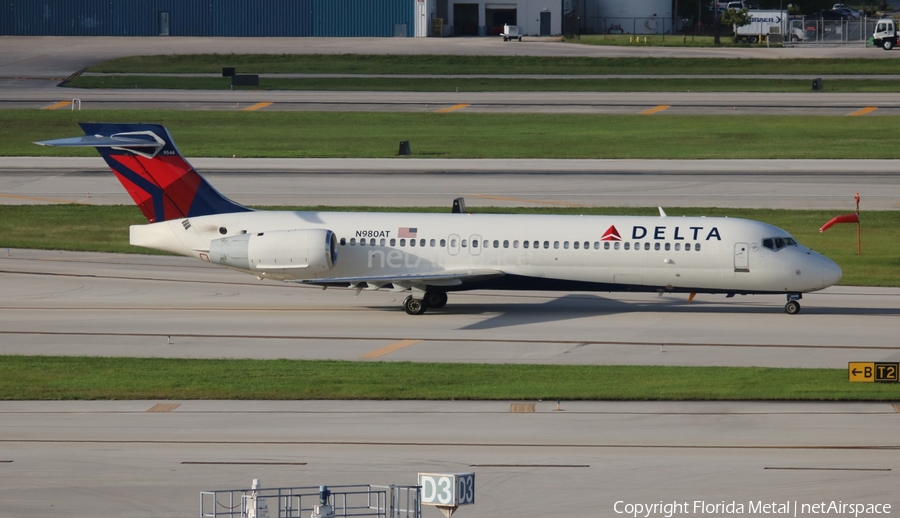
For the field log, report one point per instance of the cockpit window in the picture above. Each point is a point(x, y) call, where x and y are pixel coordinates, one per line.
point(777, 243)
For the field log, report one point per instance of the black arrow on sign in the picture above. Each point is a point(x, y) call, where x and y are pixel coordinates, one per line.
point(854, 372)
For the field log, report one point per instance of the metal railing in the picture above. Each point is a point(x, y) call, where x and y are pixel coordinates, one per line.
point(294, 502)
point(846, 31)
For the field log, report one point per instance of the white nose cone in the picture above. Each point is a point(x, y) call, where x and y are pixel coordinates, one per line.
point(831, 272)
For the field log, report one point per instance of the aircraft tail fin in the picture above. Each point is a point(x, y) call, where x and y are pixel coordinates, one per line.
point(145, 160)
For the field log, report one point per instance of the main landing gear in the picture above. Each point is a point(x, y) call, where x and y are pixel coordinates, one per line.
point(792, 307)
point(431, 299)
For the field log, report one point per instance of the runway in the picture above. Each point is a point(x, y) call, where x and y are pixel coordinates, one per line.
point(789, 184)
point(64, 303)
point(84, 459)
point(90, 458)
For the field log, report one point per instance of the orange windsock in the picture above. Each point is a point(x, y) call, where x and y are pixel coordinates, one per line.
point(846, 218)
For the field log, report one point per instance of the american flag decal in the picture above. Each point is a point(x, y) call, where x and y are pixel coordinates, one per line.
point(407, 232)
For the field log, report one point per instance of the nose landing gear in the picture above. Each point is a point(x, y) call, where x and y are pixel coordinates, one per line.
point(792, 307)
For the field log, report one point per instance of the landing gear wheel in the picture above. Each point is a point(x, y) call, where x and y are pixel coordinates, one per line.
point(792, 307)
point(435, 299)
point(413, 306)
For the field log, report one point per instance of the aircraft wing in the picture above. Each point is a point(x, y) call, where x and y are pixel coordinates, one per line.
point(405, 281)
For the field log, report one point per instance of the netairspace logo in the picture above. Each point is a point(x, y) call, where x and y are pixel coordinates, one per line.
point(785, 508)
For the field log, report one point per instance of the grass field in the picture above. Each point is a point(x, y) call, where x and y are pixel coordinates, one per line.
point(473, 135)
point(547, 84)
point(67, 378)
point(447, 64)
point(105, 229)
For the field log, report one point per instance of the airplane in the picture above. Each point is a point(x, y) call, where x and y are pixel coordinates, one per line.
point(431, 255)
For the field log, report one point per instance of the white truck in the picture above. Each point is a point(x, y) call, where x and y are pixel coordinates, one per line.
point(761, 22)
point(885, 35)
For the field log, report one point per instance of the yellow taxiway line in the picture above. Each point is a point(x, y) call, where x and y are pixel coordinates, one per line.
point(388, 349)
point(453, 108)
point(60, 104)
point(864, 111)
point(656, 109)
point(257, 106)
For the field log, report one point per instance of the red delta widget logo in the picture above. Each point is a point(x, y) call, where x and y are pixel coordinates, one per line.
point(663, 232)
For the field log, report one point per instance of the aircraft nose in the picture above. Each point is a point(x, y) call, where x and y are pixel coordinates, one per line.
point(831, 272)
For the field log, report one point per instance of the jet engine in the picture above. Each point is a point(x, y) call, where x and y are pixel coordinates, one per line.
point(314, 250)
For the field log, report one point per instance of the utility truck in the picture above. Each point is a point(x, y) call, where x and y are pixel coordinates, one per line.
point(762, 22)
point(885, 35)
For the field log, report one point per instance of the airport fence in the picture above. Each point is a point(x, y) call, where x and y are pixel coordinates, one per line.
point(296, 502)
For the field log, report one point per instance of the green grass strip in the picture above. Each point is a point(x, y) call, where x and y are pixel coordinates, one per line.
point(444, 64)
point(474, 135)
point(91, 378)
point(105, 229)
point(487, 85)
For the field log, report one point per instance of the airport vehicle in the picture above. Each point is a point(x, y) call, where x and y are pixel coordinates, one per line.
point(431, 255)
point(762, 22)
point(511, 32)
point(885, 35)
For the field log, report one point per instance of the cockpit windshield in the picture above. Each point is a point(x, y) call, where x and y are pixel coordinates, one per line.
point(777, 243)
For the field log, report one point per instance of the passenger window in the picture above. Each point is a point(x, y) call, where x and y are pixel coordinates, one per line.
point(697, 247)
point(343, 241)
point(516, 243)
point(627, 246)
point(566, 245)
point(687, 247)
point(372, 241)
point(433, 242)
point(506, 243)
point(496, 243)
point(656, 246)
point(393, 242)
point(605, 245)
point(668, 246)
point(556, 245)
point(421, 242)
point(402, 242)
point(452, 243)
point(616, 245)
point(524, 244)
point(474, 243)
point(412, 242)
point(352, 241)
point(383, 241)
point(587, 244)
point(462, 243)
point(443, 243)
point(537, 244)
point(637, 246)
point(546, 244)
point(486, 244)
point(575, 245)
point(647, 246)
point(677, 247)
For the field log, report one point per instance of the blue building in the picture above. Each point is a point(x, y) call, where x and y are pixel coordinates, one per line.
point(271, 18)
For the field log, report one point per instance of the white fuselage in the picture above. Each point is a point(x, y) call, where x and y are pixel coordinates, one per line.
point(603, 253)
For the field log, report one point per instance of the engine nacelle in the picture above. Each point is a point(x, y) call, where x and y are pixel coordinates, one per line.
point(277, 250)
